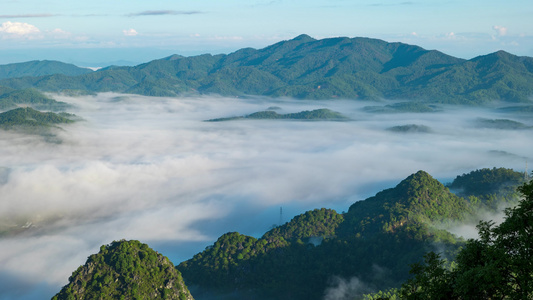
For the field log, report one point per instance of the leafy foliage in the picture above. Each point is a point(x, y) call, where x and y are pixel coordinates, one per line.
point(498, 265)
point(125, 270)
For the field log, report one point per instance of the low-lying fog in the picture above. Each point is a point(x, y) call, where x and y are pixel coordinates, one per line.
point(151, 169)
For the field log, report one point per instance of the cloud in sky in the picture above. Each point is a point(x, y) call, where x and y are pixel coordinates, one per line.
point(500, 30)
point(59, 33)
point(130, 32)
point(18, 29)
point(392, 4)
point(28, 16)
point(163, 13)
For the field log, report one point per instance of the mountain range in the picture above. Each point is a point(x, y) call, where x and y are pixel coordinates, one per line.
point(372, 244)
point(375, 241)
point(305, 68)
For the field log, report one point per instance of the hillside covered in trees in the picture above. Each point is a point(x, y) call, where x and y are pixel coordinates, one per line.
point(375, 241)
point(306, 68)
point(28, 118)
point(373, 244)
point(125, 270)
point(40, 68)
point(497, 265)
point(12, 98)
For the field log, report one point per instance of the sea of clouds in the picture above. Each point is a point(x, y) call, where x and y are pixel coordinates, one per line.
point(151, 169)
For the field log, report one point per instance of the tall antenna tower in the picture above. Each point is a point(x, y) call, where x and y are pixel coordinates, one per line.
point(280, 215)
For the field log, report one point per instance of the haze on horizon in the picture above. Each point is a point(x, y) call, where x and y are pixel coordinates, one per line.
point(150, 169)
point(97, 33)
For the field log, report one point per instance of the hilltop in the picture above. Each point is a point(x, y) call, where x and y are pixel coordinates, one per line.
point(13, 98)
point(26, 117)
point(125, 270)
point(40, 68)
point(322, 114)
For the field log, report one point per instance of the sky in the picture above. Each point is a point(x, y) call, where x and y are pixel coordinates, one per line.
point(150, 169)
point(99, 32)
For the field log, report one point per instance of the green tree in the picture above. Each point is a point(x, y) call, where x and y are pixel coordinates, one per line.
point(498, 265)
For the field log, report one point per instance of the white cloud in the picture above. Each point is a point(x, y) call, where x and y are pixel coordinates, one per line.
point(502, 31)
point(59, 33)
point(18, 29)
point(130, 32)
point(149, 169)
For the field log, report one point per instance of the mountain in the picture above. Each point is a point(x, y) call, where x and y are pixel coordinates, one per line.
point(125, 270)
point(490, 187)
point(505, 124)
point(323, 114)
point(497, 265)
point(410, 128)
point(28, 117)
point(371, 246)
point(375, 241)
point(12, 98)
point(306, 68)
point(40, 68)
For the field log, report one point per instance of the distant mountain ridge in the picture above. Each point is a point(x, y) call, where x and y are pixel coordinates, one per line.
point(322, 114)
point(40, 68)
point(306, 68)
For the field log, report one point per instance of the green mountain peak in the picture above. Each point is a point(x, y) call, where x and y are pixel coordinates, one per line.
point(416, 201)
point(304, 38)
point(126, 270)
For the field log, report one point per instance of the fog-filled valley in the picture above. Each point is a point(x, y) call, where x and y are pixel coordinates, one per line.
point(152, 169)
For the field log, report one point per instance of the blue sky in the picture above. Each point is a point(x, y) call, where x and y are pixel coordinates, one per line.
point(97, 31)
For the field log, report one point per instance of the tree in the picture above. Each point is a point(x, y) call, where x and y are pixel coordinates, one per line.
point(498, 265)
point(431, 280)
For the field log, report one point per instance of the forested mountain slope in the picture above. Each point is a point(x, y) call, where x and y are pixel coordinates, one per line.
point(375, 241)
point(373, 244)
point(125, 270)
point(305, 68)
point(13, 98)
point(28, 117)
point(40, 68)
